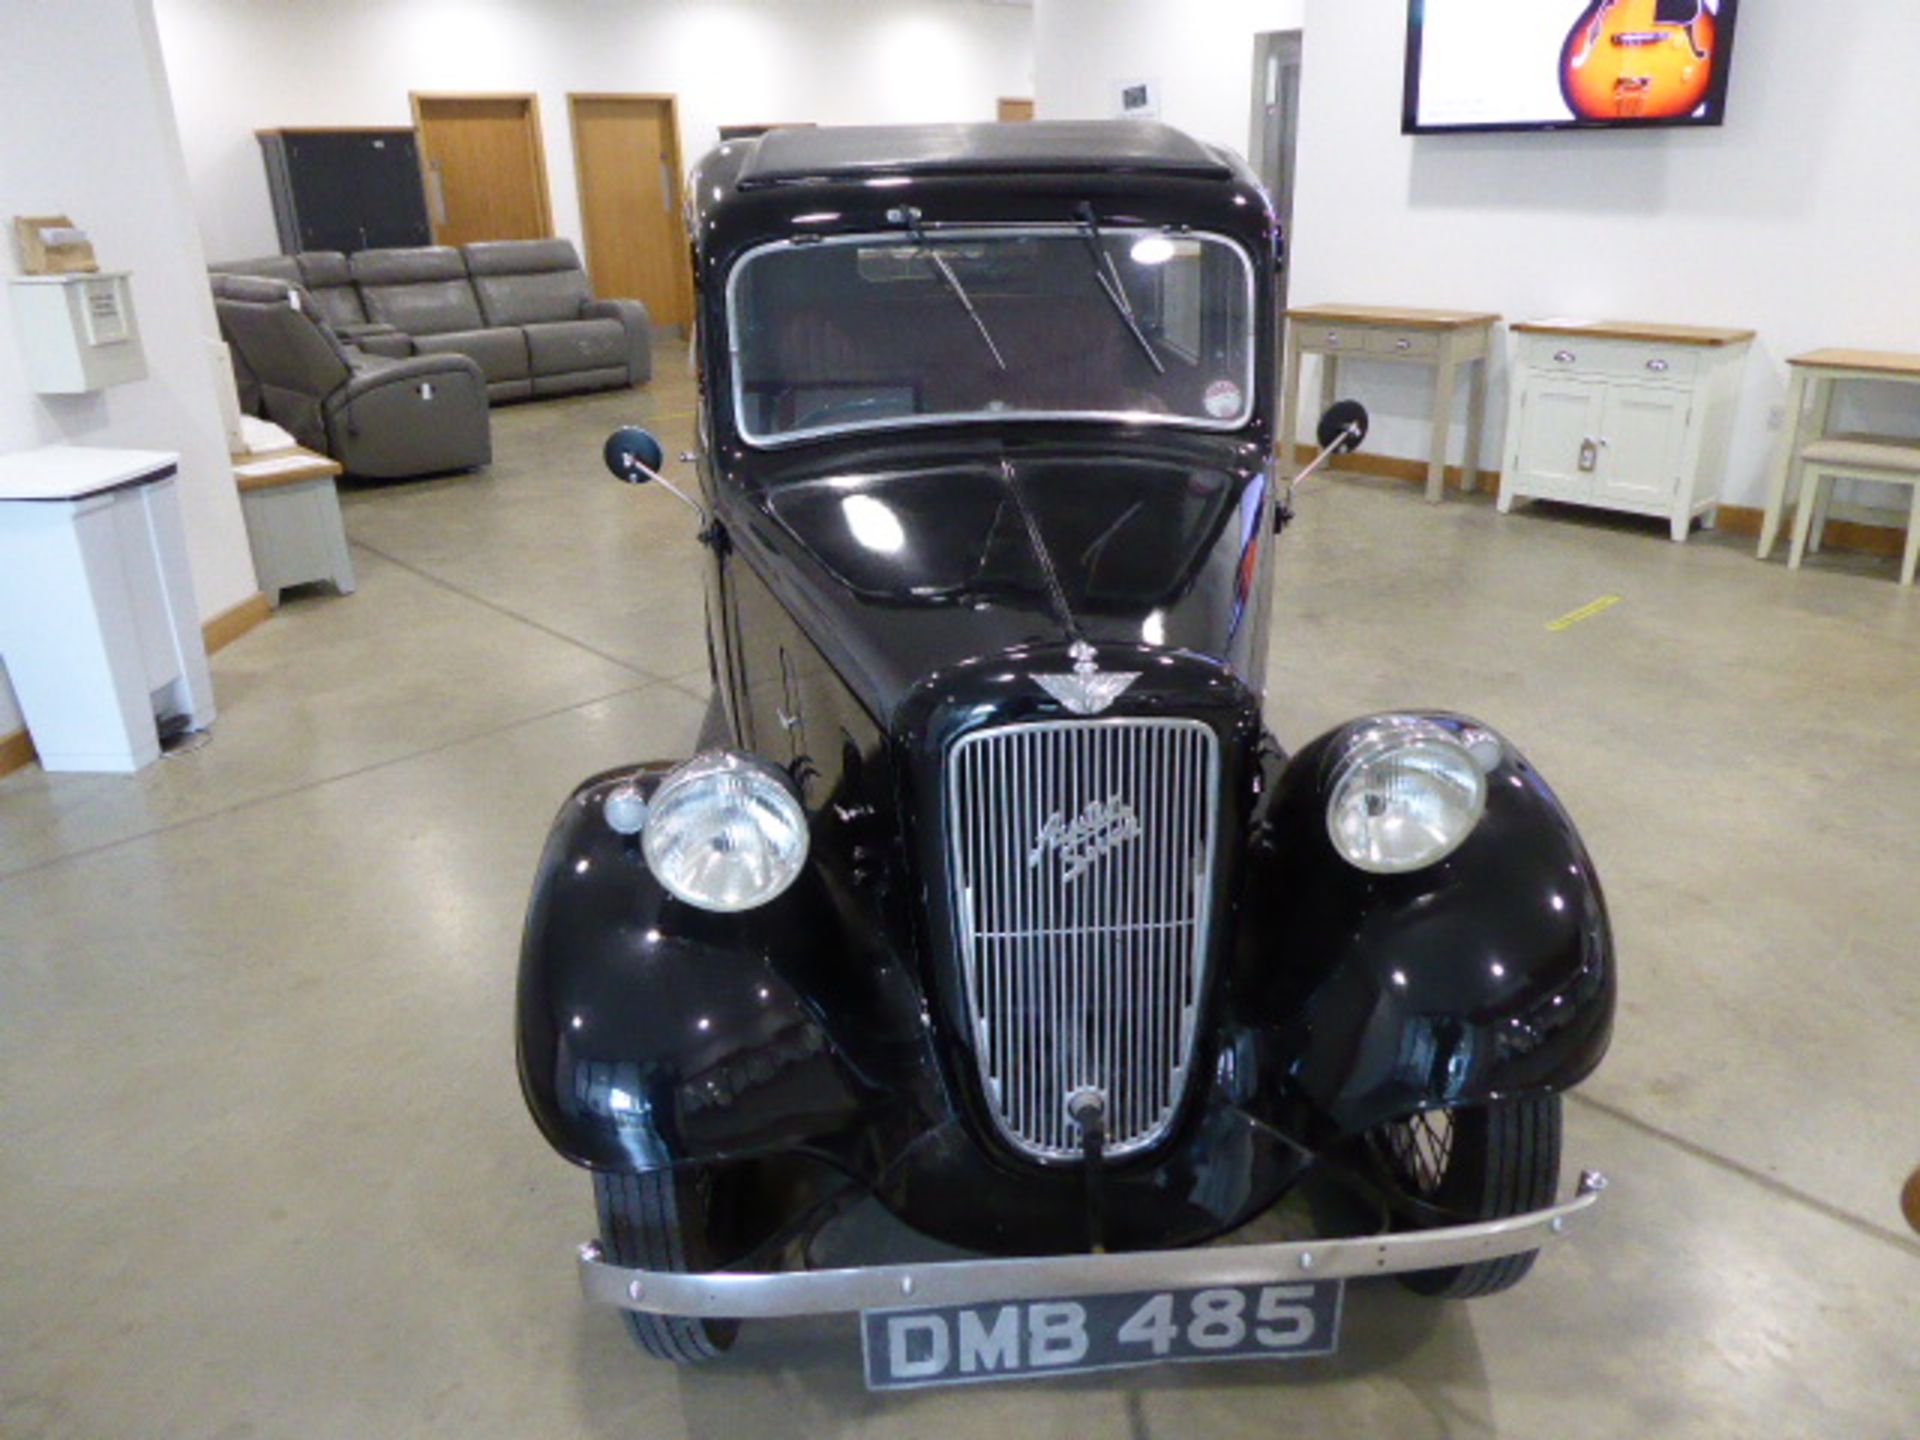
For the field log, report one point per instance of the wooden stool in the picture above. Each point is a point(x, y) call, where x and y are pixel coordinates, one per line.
point(1855, 457)
point(293, 520)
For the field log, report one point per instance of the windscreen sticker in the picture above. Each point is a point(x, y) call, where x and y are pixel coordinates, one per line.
point(1223, 399)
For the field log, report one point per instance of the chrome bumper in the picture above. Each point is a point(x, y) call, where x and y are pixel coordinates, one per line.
point(730, 1295)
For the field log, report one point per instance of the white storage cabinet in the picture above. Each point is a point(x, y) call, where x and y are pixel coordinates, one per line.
point(1637, 418)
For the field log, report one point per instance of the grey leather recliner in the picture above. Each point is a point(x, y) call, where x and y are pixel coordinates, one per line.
point(380, 417)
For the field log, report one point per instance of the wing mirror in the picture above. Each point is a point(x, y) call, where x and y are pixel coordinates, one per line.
point(635, 456)
point(1341, 431)
point(1343, 428)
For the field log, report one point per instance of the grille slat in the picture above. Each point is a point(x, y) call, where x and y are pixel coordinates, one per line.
point(1081, 855)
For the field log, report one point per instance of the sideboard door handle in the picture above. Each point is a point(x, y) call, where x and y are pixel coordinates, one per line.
point(1565, 357)
point(1659, 367)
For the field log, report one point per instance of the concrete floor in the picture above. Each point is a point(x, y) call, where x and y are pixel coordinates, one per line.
point(264, 1169)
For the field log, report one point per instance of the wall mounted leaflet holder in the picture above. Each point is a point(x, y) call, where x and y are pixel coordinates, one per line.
point(52, 245)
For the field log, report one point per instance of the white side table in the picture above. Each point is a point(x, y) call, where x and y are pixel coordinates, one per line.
point(98, 626)
point(1817, 377)
point(1446, 341)
point(293, 520)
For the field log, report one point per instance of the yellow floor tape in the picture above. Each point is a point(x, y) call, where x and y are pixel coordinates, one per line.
point(1585, 612)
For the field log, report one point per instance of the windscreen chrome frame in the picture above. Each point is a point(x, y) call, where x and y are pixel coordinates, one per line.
point(960, 233)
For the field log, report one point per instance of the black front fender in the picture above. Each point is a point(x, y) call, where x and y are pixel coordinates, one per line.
point(1486, 975)
point(653, 1032)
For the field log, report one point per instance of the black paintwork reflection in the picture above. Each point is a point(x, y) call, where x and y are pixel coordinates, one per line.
point(900, 562)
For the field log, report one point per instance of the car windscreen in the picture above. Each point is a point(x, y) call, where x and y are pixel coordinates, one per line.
point(1060, 322)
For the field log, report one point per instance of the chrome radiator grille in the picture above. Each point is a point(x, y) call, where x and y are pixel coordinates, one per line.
point(1080, 856)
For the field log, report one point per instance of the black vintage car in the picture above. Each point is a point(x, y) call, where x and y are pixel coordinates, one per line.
point(998, 902)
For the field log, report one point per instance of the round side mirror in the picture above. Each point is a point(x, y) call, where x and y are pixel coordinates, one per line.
point(633, 455)
point(1342, 428)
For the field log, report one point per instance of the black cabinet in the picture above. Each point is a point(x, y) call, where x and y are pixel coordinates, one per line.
point(345, 189)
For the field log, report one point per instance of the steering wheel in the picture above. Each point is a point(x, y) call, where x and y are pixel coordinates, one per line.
point(863, 407)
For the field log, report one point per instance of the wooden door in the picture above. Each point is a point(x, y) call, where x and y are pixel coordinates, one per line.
point(485, 167)
point(1012, 108)
point(626, 151)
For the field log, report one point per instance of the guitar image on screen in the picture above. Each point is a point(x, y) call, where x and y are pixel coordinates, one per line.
point(1639, 59)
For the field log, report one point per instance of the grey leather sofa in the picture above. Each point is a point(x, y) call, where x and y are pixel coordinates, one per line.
point(381, 417)
point(521, 309)
point(574, 341)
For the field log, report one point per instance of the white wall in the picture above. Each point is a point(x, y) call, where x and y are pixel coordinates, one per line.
point(1197, 53)
point(241, 65)
point(1800, 218)
point(89, 133)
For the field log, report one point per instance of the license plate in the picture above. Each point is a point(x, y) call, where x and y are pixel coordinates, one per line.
point(965, 1344)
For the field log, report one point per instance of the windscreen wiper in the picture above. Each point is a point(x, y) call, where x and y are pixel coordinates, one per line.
point(909, 215)
point(1108, 275)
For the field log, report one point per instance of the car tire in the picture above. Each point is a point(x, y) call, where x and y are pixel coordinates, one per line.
point(1494, 1161)
point(664, 1221)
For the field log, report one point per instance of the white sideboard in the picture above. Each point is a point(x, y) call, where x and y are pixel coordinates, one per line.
point(98, 626)
point(1624, 416)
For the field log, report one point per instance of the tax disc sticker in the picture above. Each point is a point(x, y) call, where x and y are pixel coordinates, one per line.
point(1222, 399)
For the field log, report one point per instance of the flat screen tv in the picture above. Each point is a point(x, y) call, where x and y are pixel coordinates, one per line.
point(1566, 64)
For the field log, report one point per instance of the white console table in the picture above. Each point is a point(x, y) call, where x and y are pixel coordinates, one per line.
point(98, 626)
point(1443, 340)
point(1623, 416)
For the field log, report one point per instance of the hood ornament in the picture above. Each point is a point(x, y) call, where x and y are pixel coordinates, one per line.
point(1089, 689)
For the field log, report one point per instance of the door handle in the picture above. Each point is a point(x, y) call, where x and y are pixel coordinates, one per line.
point(1589, 455)
point(437, 192)
point(666, 186)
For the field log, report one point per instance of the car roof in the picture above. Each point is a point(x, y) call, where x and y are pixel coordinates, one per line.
point(854, 152)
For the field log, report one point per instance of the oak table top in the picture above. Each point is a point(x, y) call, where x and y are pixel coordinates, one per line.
point(1406, 318)
point(1880, 362)
point(1644, 331)
point(271, 468)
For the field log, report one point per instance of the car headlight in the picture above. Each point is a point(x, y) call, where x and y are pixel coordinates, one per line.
point(1405, 794)
point(725, 832)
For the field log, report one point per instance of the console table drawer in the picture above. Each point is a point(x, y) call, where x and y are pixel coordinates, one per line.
point(1323, 338)
point(1423, 344)
point(1674, 364)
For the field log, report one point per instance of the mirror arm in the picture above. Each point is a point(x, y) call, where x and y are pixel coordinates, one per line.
point(636, 473)
point(1348, 441)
